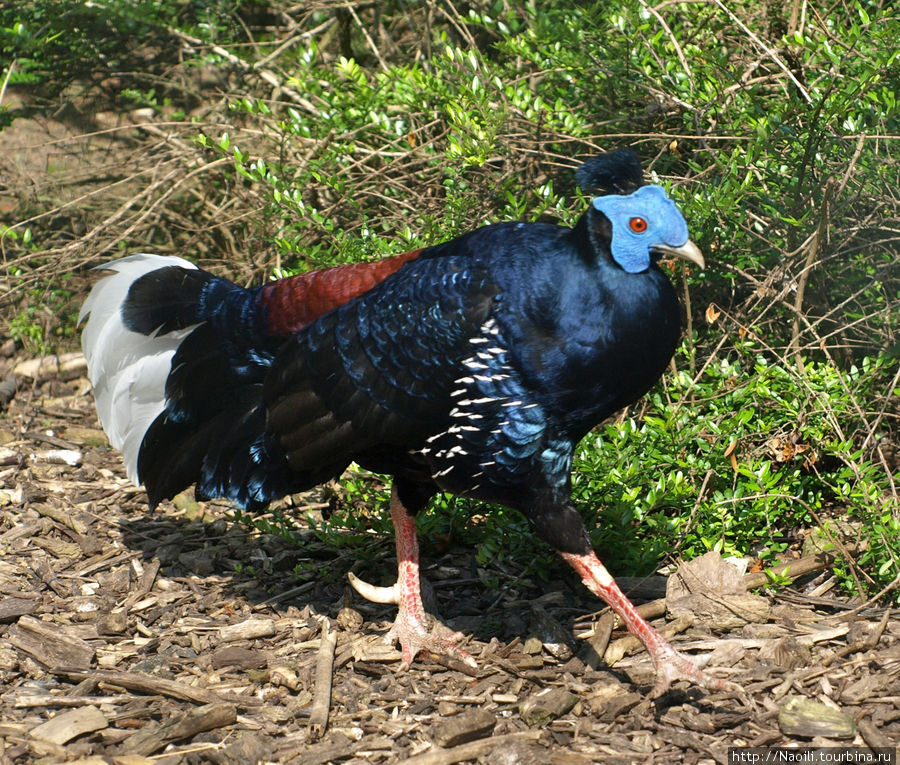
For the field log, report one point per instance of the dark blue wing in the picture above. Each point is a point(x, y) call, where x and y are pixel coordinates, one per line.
point(499, 444)
point(379, 370)
point(415, 377)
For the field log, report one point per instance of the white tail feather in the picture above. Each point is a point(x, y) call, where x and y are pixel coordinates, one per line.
point(127, 369)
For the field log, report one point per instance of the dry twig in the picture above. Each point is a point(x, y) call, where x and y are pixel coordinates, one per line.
point(318, 714)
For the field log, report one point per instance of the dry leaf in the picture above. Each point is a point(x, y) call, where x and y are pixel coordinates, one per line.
point(785, 448)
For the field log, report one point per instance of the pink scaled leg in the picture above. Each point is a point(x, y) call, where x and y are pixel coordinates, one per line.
point(409, 629)
point(670, 665)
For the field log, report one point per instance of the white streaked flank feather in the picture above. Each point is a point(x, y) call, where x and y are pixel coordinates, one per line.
point(128, 369)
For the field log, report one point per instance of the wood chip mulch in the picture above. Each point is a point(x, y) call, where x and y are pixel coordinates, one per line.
point(182, 637)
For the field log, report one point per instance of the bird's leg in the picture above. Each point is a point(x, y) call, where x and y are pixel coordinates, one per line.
point(670, 665)
point(409, 629)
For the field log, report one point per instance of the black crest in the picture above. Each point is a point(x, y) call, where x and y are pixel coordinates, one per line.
point(615, 172)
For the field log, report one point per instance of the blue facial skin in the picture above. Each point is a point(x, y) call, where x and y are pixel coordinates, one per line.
point(665, 225)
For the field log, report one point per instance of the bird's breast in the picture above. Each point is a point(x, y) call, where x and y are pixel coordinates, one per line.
point(602, 348)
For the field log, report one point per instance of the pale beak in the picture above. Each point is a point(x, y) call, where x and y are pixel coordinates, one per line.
point(687, 251)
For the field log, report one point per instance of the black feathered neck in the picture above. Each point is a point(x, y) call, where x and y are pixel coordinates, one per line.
point(592, 235)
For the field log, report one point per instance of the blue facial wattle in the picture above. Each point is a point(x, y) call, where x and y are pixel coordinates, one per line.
point(665, 225)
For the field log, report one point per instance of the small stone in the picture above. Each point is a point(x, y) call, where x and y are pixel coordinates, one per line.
point(800, 716)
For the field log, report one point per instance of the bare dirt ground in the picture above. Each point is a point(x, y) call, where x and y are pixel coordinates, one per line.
point(180, 637)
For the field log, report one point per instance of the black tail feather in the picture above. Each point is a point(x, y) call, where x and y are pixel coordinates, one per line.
point(212, 431)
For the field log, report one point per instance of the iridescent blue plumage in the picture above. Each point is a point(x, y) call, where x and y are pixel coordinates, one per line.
point(474, 367)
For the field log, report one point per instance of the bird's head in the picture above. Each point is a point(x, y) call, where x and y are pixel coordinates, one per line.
point(645, 226)
point(639, 224)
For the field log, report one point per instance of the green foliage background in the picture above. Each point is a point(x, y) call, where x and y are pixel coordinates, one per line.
point(297, 137)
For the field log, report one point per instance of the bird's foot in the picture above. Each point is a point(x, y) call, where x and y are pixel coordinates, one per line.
point(410, 631)
point(409, 628)
point(672, 665)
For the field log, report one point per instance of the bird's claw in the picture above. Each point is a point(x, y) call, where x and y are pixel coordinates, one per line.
point(373, 593)
point(414, 637)
point(672, 665)
point(409, 628)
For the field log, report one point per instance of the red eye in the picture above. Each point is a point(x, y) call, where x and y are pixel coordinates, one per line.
point(638, 225)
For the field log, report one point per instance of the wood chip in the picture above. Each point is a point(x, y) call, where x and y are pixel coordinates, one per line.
point(58, 547)
point(30, 700)
point(68, 725)
point(872, 736)
point(547, 705)
point(240, 658)
point(154, 737)
point(864, 688)
point(113, 623)
point(86, 436)
point(800, 716)
point(721, 612)
point(468, 726)
point(160, 686)
point(318, 713)
point(8, 389)
point(710, 574)
point(610, 700)
point(786, 652)
point(247, 630)
point(472, 750)
point(284, 676)
point(598, 642)
point(552, 635)
point(59, 515)
point(13, 608)
point(49, 645)
point(66, 366)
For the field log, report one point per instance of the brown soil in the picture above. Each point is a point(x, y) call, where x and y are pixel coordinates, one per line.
point(182, 637)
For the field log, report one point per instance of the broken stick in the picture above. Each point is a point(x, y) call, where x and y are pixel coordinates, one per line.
point(318, 713)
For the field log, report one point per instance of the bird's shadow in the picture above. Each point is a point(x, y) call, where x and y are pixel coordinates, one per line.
point(304, 570)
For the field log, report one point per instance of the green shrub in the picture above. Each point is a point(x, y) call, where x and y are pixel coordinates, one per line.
point(776, 135)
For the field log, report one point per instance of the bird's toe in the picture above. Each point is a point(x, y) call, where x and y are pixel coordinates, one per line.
point(675, 666)
point(414, 637)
